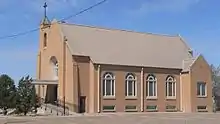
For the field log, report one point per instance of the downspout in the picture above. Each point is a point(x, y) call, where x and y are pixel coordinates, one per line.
point(190, 90)
point(76, 88)
point(98, 86)
point(142, 89)
point(64, 74)
point(39, 72)
point(181, 93)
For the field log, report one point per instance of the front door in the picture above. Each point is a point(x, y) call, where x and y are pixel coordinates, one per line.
point(55, 93)
point(82, 104)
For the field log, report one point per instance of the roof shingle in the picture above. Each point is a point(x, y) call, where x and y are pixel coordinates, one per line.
point(119, 47)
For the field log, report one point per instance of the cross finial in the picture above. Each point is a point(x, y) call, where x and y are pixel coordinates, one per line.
point(45, 21)
point(45, 9)
point(45, 4)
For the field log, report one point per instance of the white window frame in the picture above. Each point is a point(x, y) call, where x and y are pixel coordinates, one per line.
point(171, 109)
point(171, 79)
point(200, 89)
point(151, 78)
point(56, 70)
point(131, 77)
point(110, 110)
point(152, 110)
point(131, 110)
point(202, 110)
point(111, 77)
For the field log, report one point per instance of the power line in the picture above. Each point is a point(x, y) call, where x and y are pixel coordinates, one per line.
point(19, 34)
point(80, 12)
point(66, 18)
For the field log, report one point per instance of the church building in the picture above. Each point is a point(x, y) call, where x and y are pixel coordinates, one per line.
point(93, 69)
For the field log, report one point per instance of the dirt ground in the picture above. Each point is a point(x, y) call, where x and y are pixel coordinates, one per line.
point(120, 118)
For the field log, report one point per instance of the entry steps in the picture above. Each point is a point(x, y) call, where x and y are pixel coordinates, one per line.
point(53, 110)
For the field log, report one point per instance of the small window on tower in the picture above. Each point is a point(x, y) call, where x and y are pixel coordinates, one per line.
point(45, 39)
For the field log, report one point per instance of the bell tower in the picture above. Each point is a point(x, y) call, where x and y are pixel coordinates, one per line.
point(45, 25)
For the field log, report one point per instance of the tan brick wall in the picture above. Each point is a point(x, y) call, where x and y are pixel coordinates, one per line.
point(200, 71)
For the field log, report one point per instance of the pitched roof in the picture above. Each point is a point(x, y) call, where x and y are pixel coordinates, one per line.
point(188, 63)
point(119, 47)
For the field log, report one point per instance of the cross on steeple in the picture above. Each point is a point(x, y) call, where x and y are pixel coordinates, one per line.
point(45, 21)
point(45, 9)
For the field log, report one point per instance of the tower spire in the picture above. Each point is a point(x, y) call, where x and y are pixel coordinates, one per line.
point(45, 21)
point(45, 9)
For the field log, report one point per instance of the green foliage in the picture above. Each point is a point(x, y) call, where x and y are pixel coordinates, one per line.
point(215, 79)
point(26, 96)
point(215, 75)
point(7, 92)
point(23, 98)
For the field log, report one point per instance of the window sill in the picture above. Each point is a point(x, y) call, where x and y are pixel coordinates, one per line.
point(131, 110)
point(171, 110)
point(108, 110)
point(56, 78)
point(44, 48)
point(201, 96)
point(171, 98)
point(109, 97)
point(202, 110)
point(152, 110)
point(130, 97)
point(151, 98)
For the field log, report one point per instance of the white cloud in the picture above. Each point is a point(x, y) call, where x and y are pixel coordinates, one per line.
point(163, 5)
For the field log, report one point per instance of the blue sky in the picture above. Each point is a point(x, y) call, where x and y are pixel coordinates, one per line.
point(198, 22)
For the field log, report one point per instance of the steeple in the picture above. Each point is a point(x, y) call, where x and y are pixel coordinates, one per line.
point(45, 22)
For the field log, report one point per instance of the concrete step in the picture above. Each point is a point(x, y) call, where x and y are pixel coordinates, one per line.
point(43, 110)
point(54, 110)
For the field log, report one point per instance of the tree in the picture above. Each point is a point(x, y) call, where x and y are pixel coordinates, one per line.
point(7, 93)
point(26, 99)
point(215, 79)
point(216, 86)
point(35, 101)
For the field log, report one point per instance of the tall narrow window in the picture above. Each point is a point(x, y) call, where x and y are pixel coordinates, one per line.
point(170, 87)
point(45, 39)
point(56, 70)
point(130, 85)
point(201, 89)
point(151, 86)
point(108, 85)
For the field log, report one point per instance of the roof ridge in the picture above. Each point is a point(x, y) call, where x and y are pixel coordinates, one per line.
point(114, 29)
point(190, 59)
point(184, 42)
point(173, 54)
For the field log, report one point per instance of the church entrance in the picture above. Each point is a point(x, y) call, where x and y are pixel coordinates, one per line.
point(82, 104)
point(51, 94)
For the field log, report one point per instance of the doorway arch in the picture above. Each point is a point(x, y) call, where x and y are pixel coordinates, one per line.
point(54, 68)
point(52, 89)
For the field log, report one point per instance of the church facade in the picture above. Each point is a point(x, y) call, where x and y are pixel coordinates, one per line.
point(92, 70)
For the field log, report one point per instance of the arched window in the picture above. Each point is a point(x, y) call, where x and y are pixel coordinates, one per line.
point(55, 67)
point(130, 85)
point(45, 39)
point(108, 85)
point(170, 86)
point(151, 86)
point(56, 70)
